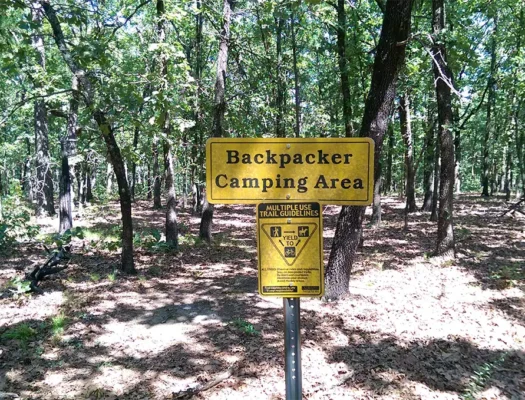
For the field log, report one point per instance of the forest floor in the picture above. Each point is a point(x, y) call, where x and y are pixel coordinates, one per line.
point(411, 328)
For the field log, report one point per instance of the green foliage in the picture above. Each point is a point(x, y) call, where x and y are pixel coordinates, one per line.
point(481, 377)
point(59, 240)
point(151, 240)
point(112, 277)
point(94, 277)
point(15, 220)
point(244, 327)
point(19, 285)
point(58, 324)
point(23, 333)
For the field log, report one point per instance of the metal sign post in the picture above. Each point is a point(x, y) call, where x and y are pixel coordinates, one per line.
point(292, 348)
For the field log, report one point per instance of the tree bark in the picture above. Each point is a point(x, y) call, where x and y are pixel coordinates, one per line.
point(491, 103)
point(378, 107)
point(219, 107)
point(428, 168)
point(406, 134)
point(157, 204)
point(435, 188)
point(44, 178)
point(296, 81)
point(376, 205)
point(390, 154)
point(280, 130)
point(343, 68)
point(171, 198)
point(443, 77)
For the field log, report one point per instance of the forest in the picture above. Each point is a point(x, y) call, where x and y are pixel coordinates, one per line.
point(118, 279)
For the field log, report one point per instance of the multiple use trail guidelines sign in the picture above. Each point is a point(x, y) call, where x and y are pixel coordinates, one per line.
point(325, 170)
point(290, 248)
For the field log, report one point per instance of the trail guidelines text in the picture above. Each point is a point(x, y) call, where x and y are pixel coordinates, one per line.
point(290, 169)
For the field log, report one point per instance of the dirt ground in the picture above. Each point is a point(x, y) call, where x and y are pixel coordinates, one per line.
point(411, 328)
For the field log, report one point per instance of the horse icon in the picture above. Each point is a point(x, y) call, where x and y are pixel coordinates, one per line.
point(303, 231)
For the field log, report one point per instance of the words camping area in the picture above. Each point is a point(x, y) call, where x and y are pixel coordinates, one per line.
point(411, 327)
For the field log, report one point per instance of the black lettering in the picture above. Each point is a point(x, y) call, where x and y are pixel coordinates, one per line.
point(322, 157)
point(270, 157)
point(234, 183)
point(334, 181)
point(310, 158)
point(336, 158)
point(267, 183)
point(358, 184)
point(298, 158)
point(246, 159)
point(289, 183)
point(232, 155)
point(217, 182)
point(258, 157)
point(321, 181)
point(285, 159)
point(346, 183)
point(347, 158)
point(250, 183)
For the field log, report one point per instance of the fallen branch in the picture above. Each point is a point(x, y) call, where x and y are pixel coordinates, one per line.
point(50, 267)
point(190, 392)
point(515, 207)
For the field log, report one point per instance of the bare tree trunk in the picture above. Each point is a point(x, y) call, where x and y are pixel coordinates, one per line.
point(219, 106)
point(444, 80)
point(171, 200)
point(343, 67)
point(406, 133)
point(428, 168)
point(280, 130)
point(389, 59)
point(491, 103)
point(296, 81)
point(435, 188)
point(376, 205)
point(390, 154)
point(156, 175)
point(44, 178)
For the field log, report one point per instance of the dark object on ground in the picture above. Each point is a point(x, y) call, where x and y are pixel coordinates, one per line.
point(515, 208)
point(50, 267)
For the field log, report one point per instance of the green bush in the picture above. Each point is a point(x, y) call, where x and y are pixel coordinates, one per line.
point(15, 218)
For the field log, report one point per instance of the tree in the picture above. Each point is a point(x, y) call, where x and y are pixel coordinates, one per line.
point(219, 106)
point(405, 120)
point(444, 83)
point(389, 59)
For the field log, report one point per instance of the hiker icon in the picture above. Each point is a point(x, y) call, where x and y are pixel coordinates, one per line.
point(275, 231)
point(303, 231)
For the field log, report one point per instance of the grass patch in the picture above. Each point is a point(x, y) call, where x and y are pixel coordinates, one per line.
point(23, 333)
point(58, 324)
point(244, 327)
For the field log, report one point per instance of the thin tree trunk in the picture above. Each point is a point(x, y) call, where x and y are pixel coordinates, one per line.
point(343, 68)
point(109, 179)
point(296, 81)
point(68, 147)
point(435, 188)
point(280, 130)
point(44, 178)
point(491, 103)
point(406, 133)
point(428, 168)
point(171, 199)
point(443, 77)
point(219, 107)
point(390, 154)
point(378, 107)
point(376, 205)
point(157, 204)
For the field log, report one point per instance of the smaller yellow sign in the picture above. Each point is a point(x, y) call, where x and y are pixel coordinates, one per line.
point(290, 244)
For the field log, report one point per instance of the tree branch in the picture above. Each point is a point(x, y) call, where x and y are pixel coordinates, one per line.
point(130, 16)
point(25, 101)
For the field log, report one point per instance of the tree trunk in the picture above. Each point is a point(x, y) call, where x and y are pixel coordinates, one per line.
point(376, 205)
point(435, 188)
point(219, 107)
point(343, 68)
point(428, 167)
point(157, 204)
point(127, 262)
point(296, 81)
point(44, 178)
point(280, 130)
point(171, 199)
point(378, 107)
point(388, 178)
point(109, 179)
point(406, 134)
point(444, 80)
point(491, 103)
point(68, 146)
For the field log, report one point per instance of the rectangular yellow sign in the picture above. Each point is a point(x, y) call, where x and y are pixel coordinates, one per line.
point(327, 170)
point(290, 249)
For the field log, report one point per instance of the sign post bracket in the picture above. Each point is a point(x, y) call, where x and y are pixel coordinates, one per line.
point(292, 348)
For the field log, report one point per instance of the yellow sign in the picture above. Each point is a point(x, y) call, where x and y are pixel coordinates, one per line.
point(327, 170)
point(290, 249)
